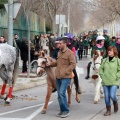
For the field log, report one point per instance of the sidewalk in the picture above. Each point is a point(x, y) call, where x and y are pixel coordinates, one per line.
point(26, 83)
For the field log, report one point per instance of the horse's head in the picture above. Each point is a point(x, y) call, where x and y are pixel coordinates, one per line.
point(97, 60)
point(42, 60)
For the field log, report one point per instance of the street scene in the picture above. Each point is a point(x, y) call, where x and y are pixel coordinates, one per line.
point(59, 59)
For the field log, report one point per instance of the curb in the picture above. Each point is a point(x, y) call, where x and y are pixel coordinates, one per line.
point(27, 83)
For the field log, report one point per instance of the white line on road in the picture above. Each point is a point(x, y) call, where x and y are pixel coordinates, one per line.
point(11, 119)
point(21, 109)
point(34, 114)
point(30, 117)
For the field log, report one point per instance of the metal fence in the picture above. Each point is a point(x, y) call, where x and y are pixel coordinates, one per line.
point(20, 24)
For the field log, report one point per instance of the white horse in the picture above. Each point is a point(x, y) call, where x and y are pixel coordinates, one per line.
point(94, 74)
point(9, 64)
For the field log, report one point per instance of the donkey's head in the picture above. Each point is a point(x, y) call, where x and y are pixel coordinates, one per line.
point(97, 59)
point(42, 60)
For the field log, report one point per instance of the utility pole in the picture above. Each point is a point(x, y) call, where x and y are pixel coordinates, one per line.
point(68, 28)
point(10, 22)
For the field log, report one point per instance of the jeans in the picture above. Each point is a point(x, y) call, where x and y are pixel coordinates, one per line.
point(62, 85)
point(76, 55)
point(110, 93)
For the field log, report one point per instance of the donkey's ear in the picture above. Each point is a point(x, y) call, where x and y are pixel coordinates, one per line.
point(102, 53)
point(43, 54)
point(95, 52)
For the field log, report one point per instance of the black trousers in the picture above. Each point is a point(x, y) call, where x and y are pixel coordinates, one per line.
point(24, 68)
point(80, 54)
point(86, 51)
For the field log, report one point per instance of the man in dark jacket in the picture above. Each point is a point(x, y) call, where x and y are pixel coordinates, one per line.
point(24, 55)
point(2, 39)
point(16, 41)
point(107, 39)
point(51, 44)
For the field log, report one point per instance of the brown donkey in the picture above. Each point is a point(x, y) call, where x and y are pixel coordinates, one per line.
point(51, 79)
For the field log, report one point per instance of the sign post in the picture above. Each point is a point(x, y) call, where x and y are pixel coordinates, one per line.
point(12, 9)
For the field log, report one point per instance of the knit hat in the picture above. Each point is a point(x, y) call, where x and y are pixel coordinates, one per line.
point(105, 31)
point(100, 38)
point(58, 40)
point(118, 37)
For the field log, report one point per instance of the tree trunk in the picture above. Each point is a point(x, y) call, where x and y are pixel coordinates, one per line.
point(53, 26)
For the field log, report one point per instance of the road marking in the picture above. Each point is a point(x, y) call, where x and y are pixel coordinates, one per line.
point(81, 70)
point(34, 114)
point(11, 119)
point(22, 109)
point(30, 117)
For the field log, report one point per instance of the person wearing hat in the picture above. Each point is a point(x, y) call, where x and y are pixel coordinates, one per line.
point(93, 38)
point(107, 39)
point(56, 50)
point(64, 66)
point(72, 45)
point(99, 46)
point(113, 41)
point(118, 45)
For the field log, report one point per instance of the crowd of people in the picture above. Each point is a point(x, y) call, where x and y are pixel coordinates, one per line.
point(68, 50)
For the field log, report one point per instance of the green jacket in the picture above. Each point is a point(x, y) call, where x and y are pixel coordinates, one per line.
point(96, 48)
point(112, 43)
point(94, 36)
point(85, 42)
point(107, 38)
point(110, 71)
point(107, 41)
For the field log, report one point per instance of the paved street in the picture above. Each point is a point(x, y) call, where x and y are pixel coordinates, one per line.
point(28, 103)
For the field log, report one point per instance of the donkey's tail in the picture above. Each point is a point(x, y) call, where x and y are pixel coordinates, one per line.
point(16, 68)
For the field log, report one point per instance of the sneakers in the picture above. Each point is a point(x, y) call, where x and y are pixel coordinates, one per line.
point(63, 114)
point(59, 114)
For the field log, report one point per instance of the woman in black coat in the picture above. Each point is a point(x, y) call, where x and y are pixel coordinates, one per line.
point(24, 54)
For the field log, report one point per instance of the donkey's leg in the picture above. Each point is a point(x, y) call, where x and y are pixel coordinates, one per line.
point(78, 96)
point(49, 92)
point(97, 91)
point(69, 91)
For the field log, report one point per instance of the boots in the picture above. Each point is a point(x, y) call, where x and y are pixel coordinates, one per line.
point(115, 104)
point(108, 112)
point(76, 82)
point(88, 70)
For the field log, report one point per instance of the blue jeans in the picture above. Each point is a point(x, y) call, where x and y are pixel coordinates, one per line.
point(110, 93)
point(62, 85)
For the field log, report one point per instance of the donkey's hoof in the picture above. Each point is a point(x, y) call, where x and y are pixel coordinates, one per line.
point(7, 102)
point(95, 102)
point(43, 112)
point(69, 104)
